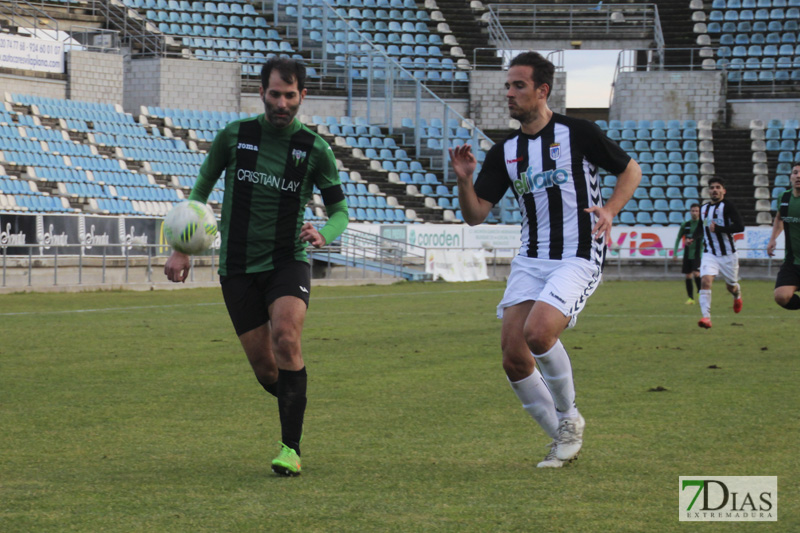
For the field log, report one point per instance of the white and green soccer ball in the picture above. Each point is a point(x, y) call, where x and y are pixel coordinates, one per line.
point(190, 227)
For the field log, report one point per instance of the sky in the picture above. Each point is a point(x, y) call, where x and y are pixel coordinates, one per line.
point(589, 76)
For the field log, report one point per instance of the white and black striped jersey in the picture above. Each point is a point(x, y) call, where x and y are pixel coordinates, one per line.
point(728, 221)
point(553, 175)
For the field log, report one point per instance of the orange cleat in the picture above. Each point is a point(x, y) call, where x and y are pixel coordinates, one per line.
point(705, 323)
point(737, 305)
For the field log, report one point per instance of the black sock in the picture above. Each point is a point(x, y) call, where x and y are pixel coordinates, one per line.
point(793, 303)
point(697, 282)
point(271, 388)
point(689, 288)
point(292, 405)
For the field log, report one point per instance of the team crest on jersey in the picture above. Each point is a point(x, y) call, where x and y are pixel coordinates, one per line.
point(298, 156)
point(555, 151)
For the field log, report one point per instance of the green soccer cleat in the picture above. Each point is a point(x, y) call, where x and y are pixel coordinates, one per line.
point(287, 463)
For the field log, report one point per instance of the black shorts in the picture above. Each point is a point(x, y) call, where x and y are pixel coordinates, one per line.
point(248, 296)
point(789, 274)
point(690, 265)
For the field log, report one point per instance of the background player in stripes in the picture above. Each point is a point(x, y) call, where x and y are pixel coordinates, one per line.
point(787, 219)
point(692, 251)
point(271, 164)
point(719, 221)
point(551, 165)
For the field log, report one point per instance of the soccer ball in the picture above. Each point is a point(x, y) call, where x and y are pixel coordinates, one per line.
point(190, 227)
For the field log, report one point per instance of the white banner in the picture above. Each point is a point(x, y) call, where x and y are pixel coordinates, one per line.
point(456, 265)
point(657, 242)
point(628, 242)
point(27, 53)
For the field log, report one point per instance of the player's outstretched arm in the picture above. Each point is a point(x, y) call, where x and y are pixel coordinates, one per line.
point(474, 209)
point(777, 228)
point(177, 267)
point(626, 185)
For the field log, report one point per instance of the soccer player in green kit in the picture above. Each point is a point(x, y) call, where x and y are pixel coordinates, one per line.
point(787, 219)
point(692, 251)
point(271, 164)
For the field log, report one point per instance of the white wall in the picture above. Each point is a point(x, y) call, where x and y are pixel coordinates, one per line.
point(694, 95)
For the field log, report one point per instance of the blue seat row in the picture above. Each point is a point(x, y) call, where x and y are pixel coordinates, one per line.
point(121, 177)
point(377, 143)
point(41, 204)
point(175, 169)
point(745, 26)
point(115, 206)
point(745, 39)
point(199, 7)
point(15, 186)
point(733, 15)
point(88, 190)
point(152, 155)
point(752, 4)
point(155, 194)
point(380, 215)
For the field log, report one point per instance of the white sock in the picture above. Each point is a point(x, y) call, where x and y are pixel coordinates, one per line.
point(556, 370)
point(537, 401)
point(705, 303)
point(737, 291)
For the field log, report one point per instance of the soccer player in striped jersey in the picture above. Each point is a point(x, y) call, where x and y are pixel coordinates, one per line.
point(551, 165)
point(719, 221)
point(271, 164)
point(787, 220)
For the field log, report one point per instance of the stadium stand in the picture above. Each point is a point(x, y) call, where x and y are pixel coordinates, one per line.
point(95, 158)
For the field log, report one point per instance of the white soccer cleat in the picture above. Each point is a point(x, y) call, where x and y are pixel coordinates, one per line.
point(550, 460)
point(570, 438)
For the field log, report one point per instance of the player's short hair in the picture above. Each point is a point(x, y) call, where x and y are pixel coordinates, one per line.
point(694, 205)
point(543, 69)
point(290, 70)
point(716, 179)
point(796, 164)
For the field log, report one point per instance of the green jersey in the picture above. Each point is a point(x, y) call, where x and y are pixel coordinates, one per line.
point(270, 174)
point(691, 251)
point(789, 208)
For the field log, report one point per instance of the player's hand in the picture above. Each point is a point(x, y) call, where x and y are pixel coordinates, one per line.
point(177, 267)
point(463, 161)
point(771, 248)
point(309, 234)
point(604, 221)
point(689, 241)
point(712, 227)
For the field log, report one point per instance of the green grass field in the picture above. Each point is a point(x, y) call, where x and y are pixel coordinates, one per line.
point(129, 411)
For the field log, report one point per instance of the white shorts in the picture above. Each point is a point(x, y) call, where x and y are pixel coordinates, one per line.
point(726, 266)
point(565, 284)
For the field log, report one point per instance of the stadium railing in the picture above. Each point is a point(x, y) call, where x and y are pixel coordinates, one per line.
point(55, 264)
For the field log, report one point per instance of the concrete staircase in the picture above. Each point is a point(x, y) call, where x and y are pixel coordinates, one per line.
point(733, 163)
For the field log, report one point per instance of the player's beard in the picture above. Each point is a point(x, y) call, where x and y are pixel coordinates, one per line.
point(521, 115)
point(280, 118)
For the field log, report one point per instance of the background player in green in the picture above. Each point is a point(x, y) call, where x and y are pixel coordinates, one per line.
point(692, 251)
point(271, 164)
point(787, 219)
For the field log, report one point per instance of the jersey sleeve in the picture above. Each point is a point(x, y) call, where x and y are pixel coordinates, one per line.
point(327, 180)
point(602, 151)
point(213, 166)
point(733, 221)
point(680, 236)
point(493, 182)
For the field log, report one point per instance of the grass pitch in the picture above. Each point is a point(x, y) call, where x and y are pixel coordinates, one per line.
point(133, 411)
